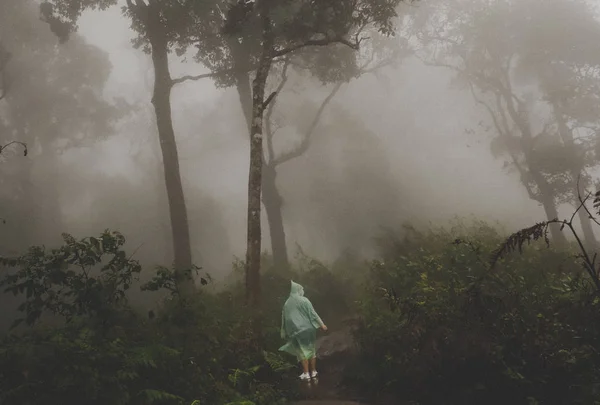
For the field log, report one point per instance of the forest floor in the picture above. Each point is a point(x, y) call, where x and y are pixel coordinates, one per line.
point(333, 351)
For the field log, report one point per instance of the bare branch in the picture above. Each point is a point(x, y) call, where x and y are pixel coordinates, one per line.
point(23, 144)
point(304, 144)
point(316, 42)
point(266, 103)
point(303, 147)
point(503, 130)
point(195, 78)
point(207, 75)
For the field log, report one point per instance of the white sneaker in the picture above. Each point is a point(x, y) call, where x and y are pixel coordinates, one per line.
point(304, 376)
point(314, 374)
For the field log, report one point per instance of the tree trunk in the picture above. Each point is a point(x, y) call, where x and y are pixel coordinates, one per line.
point(254, 236)
point(253, 246)
point(162, 206)
point(242, 84)
point(161, 100)
point(547, 198)
point(576, 172)
point(546, 193)
point(273, 205)
point(241, 65)
point(271, 198)
point(552, 213)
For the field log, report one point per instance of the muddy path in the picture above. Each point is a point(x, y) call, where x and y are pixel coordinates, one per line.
point(333, 351)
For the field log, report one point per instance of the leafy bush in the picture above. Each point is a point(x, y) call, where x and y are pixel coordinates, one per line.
point(88, 277)
point(438, 327)
point(95, 350)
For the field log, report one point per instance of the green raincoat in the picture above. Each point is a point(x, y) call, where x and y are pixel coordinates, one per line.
point(299, 324)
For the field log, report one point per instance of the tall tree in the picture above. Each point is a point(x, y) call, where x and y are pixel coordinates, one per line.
point(512, 69)
point(338, 67)
point(281, 29)
point(235, 53)
point(271, 197)
point(162, 27)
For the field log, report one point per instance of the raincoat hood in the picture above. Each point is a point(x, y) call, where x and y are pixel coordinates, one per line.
point(296, 290)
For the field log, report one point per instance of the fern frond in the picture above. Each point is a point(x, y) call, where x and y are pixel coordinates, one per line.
point(518, 239)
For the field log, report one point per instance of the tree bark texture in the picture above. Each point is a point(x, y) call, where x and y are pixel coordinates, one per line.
point(161, 101)
point(271, 198)
point(254, 235)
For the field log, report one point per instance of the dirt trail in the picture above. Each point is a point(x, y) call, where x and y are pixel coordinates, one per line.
point(333, 351)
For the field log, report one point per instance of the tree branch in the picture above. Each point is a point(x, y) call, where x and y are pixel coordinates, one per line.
point(194, 78)
point(23, 144)
point(266, 103)
point(316, 42)
point(186, 78)
point(303, 147)
point(504, 132)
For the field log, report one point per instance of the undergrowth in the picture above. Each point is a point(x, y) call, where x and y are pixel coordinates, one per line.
point(78, 341)
point(439, 326)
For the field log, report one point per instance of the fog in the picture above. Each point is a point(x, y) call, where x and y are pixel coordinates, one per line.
point(410, 109)
point(425, 174)
point(403, 145)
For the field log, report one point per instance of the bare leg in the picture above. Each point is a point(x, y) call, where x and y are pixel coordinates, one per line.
point(304, 366)
point(313, 364)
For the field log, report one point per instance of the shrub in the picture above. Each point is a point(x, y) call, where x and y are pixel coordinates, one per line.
point(438, 328)
point(98, 351)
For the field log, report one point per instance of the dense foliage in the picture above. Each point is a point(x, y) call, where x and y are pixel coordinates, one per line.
point(87, 346)
point(437, 327)
point(82, 343)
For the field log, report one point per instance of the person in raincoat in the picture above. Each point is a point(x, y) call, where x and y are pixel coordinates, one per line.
point(299, 324)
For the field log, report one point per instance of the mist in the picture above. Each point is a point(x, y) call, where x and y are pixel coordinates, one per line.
point(387, 155)
point(401, 145)
point(405, 132)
